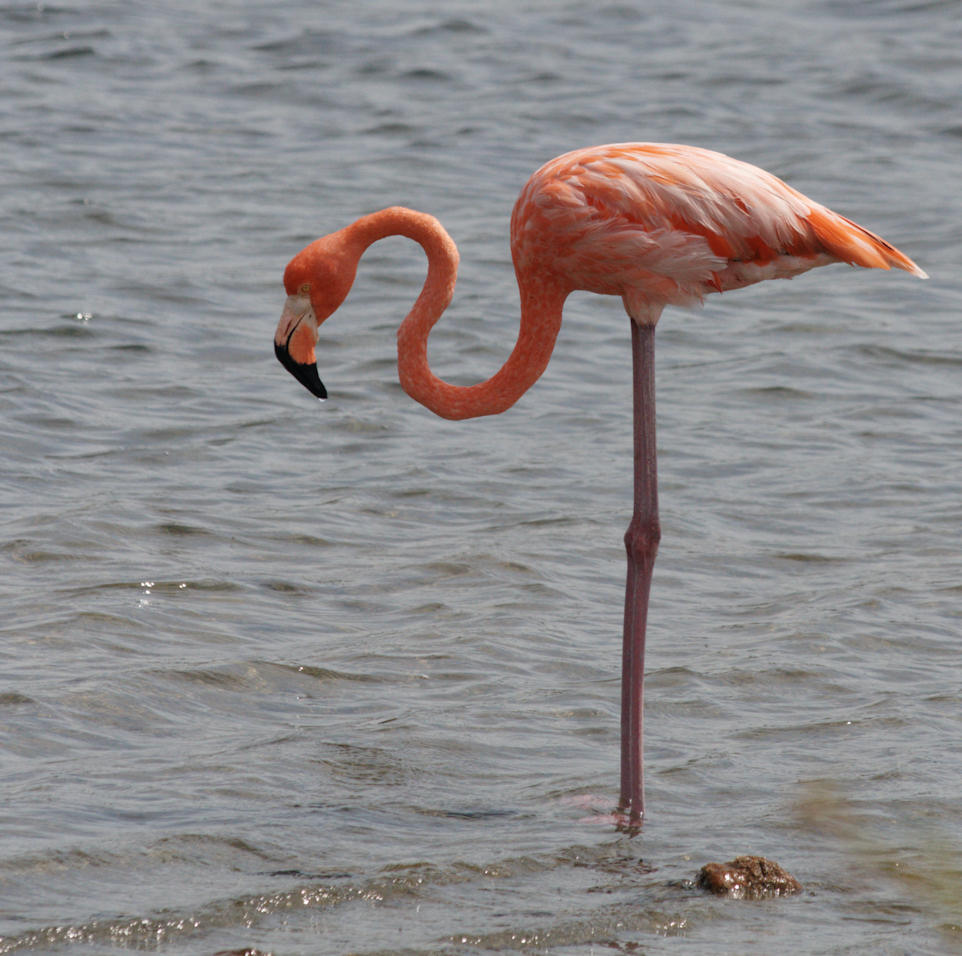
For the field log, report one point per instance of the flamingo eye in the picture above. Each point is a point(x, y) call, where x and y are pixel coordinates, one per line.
point(305, 287)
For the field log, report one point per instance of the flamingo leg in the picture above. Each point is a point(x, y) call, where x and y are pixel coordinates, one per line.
point(641, 543)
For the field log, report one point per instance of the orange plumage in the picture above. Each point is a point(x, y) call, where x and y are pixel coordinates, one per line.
point(665, 225)
point(654, 223)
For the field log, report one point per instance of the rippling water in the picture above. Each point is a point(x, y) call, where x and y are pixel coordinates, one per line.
point(344, 678)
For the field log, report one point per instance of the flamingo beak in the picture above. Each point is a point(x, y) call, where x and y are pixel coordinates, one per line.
point(294, 343)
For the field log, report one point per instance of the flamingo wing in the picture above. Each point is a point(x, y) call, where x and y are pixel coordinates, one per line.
point(664, 224)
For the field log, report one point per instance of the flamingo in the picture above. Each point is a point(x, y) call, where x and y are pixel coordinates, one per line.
point(657, 224)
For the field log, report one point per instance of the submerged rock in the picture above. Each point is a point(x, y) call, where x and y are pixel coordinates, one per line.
point(747, 878)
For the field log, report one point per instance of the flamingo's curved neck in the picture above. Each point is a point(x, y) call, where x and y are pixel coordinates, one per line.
point(541, 305)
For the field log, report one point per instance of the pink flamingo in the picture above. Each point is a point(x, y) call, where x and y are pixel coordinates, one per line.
point(656, 224)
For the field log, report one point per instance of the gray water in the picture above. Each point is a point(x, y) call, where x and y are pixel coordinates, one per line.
point(344, 678)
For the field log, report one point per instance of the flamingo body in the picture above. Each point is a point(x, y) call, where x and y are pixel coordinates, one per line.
point(656, 224)
point(660, 224)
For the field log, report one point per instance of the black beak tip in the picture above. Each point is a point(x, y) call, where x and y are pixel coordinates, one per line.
point(305, 374)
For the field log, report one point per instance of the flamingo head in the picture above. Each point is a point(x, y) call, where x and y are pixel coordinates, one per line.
point(317, 281)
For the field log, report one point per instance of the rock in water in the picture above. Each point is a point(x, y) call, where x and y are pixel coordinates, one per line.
point(747, 878)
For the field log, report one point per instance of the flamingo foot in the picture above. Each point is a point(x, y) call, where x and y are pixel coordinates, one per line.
point(601, 814)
